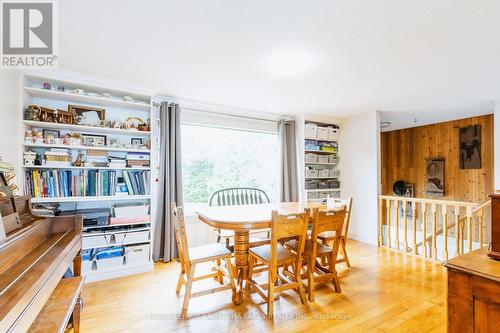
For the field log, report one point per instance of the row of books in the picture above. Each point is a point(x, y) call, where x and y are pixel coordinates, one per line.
point(137, 182)
point(59, 183)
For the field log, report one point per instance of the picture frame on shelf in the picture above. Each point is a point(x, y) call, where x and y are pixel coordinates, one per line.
point(86, 115)
point(48, 115)
point(136, 142)
point(114, 142)
point(92, 140)
point(54, 133)
point(65, 117)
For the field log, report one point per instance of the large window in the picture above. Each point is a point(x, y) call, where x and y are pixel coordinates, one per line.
point(215, 158)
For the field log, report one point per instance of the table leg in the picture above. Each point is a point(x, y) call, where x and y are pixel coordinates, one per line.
point(241, 245)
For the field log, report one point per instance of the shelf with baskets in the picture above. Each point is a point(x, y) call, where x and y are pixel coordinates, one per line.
point(88, 147)
point(321, 161)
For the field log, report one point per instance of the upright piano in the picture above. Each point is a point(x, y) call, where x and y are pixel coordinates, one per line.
point(34, 296)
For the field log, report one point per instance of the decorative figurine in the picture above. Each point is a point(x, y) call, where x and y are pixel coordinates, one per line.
point(29, 158)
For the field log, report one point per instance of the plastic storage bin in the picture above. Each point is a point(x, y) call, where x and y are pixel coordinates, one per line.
point(312, 195)
point(333, 159)
point(311, 145)
point(324, 173)
point(334, 184)
point(333, 133)
point(323, 185)
point(110, 263)
point(323, 159)
point(323, 195)
point(88, 266)
point(311, 131)
point(137, 254)
point(131, 210)
point(322, 133)
point(334, 173)
point(133, 237)
point(311, 158)
point(89, 242)
point(311, 173)
point(312, 184)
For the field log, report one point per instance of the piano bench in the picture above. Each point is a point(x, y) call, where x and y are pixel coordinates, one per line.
point(63, 302)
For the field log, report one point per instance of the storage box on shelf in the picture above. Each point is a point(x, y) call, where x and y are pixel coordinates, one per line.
point(84, 163)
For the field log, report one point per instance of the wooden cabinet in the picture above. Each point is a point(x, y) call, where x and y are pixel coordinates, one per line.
point(473, 293)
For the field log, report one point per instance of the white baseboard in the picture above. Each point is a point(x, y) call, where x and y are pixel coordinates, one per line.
point(363, 239)
point(113, 274)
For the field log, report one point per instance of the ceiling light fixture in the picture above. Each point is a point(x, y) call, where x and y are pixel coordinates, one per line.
point(290, 62)
point(385, 124)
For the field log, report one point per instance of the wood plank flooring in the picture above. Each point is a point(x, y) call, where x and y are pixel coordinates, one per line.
point(383, 291)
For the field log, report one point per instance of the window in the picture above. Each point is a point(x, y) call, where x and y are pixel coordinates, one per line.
point(214, 158)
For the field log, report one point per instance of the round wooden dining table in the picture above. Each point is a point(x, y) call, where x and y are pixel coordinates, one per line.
point(241, 219)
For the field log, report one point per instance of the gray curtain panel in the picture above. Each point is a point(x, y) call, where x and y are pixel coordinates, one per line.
point(288, 181)
point(170, 181)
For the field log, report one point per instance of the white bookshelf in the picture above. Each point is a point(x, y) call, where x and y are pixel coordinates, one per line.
point(319, 193)
point(116, 108)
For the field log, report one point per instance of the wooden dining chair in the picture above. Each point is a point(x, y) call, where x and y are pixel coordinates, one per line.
point(190, 257)
point(238, 196)
point(323, 221)
point(327, 237)
point(275, 255)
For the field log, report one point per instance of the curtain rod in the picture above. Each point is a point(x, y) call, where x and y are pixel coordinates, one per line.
point(230, 115)
point(193, 108)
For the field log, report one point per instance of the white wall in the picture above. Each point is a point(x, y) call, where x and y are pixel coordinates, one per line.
point(11, 116)
point(360, 175)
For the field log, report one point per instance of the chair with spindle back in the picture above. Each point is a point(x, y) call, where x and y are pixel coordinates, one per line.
point(327, 237)
point(238, 196)
point(323, 221)
point(275, 255)
point(190, 257)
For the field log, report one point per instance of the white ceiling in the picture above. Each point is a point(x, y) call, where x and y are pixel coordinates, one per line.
point(420, 56)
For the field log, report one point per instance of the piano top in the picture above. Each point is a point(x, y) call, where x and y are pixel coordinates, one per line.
point(33, 259)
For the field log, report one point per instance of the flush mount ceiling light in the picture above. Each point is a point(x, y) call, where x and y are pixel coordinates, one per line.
point(385, 124)
point(290, 62)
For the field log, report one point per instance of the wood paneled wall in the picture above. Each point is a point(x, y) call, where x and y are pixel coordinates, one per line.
point(404, 153)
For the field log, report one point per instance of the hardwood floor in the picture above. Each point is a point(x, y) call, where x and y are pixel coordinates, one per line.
point(383, 291)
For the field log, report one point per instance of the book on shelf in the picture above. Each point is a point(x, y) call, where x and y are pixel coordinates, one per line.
point(97, 158)
point(137, 156)
point(137, 182)
point(71, 183)
point(57, 157)
point(137, 164)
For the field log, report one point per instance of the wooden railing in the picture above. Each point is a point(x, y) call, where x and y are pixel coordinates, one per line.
point(430, 225)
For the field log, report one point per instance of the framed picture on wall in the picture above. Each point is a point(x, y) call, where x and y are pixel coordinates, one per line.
point(470, 147)
point(434, 182)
